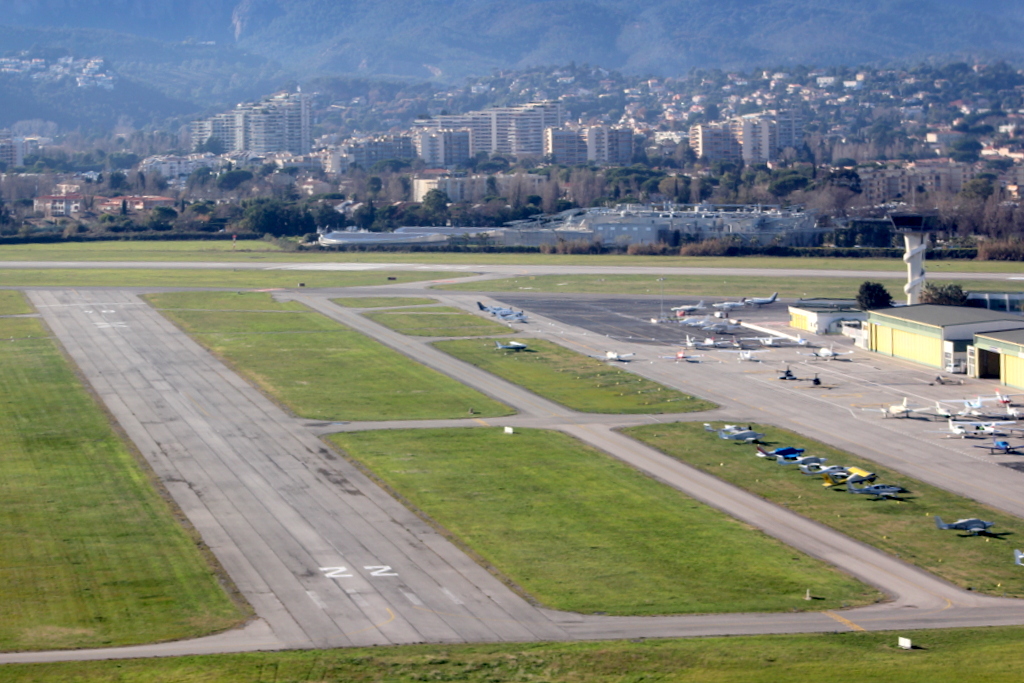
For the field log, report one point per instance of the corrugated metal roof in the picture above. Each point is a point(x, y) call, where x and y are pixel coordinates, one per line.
point(945, 316)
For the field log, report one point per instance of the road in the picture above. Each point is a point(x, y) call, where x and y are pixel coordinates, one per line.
point(328, 559)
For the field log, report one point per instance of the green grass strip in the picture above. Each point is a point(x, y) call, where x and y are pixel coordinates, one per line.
point(382, 301)
point(690, 286)
point(902, 528)
point(437, 321)
point(319, 368)
point(991, 655)
point(246, 279)
point(91, 554)
point(13, 303)
point(581, 531)
point(576, 381)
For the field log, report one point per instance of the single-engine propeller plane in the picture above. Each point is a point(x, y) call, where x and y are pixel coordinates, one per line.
point(879, 491)
point(510, 346)
point(973, 525)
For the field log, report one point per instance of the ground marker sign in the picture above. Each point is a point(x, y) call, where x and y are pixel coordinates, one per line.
point(509, 430)
point(906, 644)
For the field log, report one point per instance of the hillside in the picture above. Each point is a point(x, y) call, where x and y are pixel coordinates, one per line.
point(454, 38)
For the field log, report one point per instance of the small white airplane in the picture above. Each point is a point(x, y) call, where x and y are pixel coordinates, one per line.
point(761, 301)
point(776, 341)
point(616, 356)
point(513, 317)
point(1005, 399)
point(682, 311)
point(681, 355)
point(495, 310)
point(802, 461)
point(900, 409)
point(695, 343)
point(814, 470)
point(697, 320)
point(747, 355)
point(829, 353)
point(729, 305)
point(735, 433)
point(941, 411)
point(973, 526)
point(1018, 557)
point(723, 327)
point(510, 346)
point(971, 429)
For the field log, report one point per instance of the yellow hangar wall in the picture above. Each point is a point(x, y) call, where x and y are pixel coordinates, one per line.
point(911, 346)
point(1011, 370)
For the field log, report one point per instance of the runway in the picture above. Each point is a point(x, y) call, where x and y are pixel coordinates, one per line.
point(328, 559)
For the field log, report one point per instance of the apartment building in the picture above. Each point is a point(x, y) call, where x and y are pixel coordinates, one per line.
point(281, 123)
point(504, 130)
point(12, 151)
point(752, 138)
point(365, 152)
point(473, 188)
point(443, 147)
point(597, 144)
point(879, 185)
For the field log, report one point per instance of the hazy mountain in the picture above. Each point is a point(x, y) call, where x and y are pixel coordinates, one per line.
point(454, 38)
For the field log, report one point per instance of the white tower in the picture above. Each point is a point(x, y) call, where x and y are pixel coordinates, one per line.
point(915, 229)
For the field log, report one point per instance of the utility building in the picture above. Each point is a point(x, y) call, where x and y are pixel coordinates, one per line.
point(937, 336)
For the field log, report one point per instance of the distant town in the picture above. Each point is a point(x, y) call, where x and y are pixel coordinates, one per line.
point(842, 144)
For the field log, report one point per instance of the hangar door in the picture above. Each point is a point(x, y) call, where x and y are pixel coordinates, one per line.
point(1012, 371)
point(989, 364)
point(917, 348)
point(881, 339)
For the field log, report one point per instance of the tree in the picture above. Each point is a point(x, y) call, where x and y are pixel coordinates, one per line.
point(232, 179)
point(873, 295)
point(944, 295)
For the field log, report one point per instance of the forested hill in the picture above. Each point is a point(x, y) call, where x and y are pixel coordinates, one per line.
point(455, 38)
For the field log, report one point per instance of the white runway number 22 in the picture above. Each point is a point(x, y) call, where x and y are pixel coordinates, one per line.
point(342, 572)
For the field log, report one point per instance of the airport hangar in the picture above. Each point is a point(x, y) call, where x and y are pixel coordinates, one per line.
point(943, 337)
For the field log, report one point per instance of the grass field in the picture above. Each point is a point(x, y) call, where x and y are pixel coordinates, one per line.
point(13, 303)
point(382, 301)
point(576, 381)
point(437, 321)
point(904, 529)
point(320, 369)
point(990, 655)
point(245, 279)
point(704, 285)
point(256, 250)
point(91, 554)
point(581, 531)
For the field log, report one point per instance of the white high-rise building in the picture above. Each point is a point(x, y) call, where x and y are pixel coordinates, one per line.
point(442, 147)
point(280, 123)
point(505, 130)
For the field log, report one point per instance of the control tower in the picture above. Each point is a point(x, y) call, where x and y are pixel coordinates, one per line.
point(915, 228)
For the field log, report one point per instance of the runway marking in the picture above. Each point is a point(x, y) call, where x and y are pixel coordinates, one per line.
point(356, 597)
point(391, 617)
point(411, 597)
point(380, 570)
point(845, 622)
point(483, 422)
point(316, 598)
point(336, 572)
point(453, 597)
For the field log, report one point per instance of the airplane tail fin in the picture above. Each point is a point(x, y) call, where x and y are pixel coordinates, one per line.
point(939, 524)
point(497, 344)
point(851, 487)
point(708, 428)
point(1018, 557)
point(773, 298)
point(482, 307)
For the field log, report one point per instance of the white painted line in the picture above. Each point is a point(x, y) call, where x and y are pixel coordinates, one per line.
point(356, 597)
point(452, 596)
point(411, 597)
point(316, 598)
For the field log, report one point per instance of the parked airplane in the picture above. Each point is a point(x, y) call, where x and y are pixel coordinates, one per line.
point(827, 353)
point(681, 355)
point(722, 327)
point(850, 474)
point(966, 429)
point(746, 354)
point(513, 317)
point(941, 411)
point(729, 305)
point(695, 343)
point(813, 470)
point(681, 311)
point(973, 526)
point(763, 301)
point(784, 452)
point(801, 460)
point(900, 409)
point(495, 310)
point(697, 320)
point(616, 356)
point(879, 491)
point(1018, 557)
point(510, 346)
point(735, 433)
point(999, 445)
point(776, 341)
